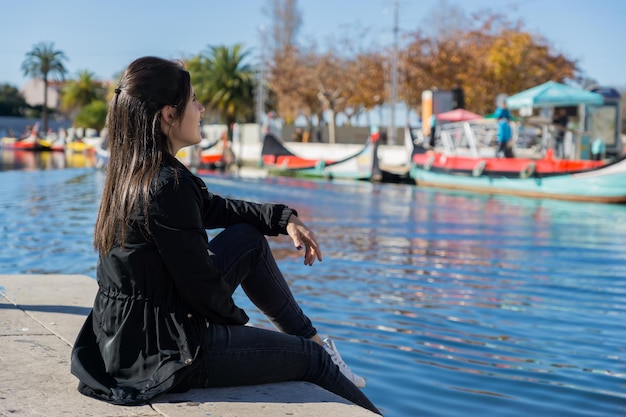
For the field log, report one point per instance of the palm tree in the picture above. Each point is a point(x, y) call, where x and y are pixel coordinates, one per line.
point(44, 62)
point(79, 93)
point(224, 83)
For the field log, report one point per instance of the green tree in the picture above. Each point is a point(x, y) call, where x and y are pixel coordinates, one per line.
point(93, 115)
point(45, 63)
point(224, 83)
point(78, 93)
point(12, 103)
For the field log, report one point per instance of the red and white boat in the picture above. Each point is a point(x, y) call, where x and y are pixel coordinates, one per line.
point(33, 142)
point(280, 160)
point(217, 154)
point(574, 180)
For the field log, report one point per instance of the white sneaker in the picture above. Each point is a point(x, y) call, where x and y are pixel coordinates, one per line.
point(330, 348)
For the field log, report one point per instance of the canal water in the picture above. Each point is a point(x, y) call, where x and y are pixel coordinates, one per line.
point(449, 303)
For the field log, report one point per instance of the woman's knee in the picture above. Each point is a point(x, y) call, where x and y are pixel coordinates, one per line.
point(236, 251)
point(237, 238)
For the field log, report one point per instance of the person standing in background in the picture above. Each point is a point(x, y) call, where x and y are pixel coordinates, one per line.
point(433, 130)
point(597, 149)
point(297, 135)
point(503, 111)
point(560, 125)
point(504, 137)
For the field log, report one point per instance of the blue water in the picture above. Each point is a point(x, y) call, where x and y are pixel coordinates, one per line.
point(449, 303)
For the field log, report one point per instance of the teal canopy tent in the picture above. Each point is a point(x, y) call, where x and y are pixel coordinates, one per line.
point(553, 94)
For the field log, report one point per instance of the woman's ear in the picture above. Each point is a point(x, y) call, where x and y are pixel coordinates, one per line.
point(167, 114)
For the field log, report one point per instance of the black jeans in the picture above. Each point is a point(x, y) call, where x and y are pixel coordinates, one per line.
point(559, 147)
point(243, 355)
point(501, 152)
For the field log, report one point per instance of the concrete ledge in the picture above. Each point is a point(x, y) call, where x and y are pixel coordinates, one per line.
point(40, 316)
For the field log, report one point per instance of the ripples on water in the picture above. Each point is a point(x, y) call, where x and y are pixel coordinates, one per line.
point(450, 304)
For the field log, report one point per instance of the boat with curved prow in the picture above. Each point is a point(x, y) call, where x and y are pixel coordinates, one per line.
point(574, 180)
point(279, 160)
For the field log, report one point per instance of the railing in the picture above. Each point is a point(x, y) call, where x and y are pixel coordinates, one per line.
point(481, 139)
point(467, 137)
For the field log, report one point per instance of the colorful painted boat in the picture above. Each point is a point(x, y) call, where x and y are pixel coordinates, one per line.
point(217, 155)
point(78, 146)
point(575, 180)
point(33, 142)
point(212, 154)
point(19, 144)
point(30, 144)
point(279, 160)
point(399, 171)
point(83, 145)
point(190, 155)
point(55, 144)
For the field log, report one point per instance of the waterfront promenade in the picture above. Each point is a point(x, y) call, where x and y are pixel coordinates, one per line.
point(39, 319)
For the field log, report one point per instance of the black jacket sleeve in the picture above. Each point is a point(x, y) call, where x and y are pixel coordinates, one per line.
point(217, 212)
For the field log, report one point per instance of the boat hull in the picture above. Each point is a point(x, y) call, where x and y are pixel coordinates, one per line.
point(605, 183)
point(356, 168)
point(279, 160)
point(26, 145)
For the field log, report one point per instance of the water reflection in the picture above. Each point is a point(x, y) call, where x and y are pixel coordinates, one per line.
point(504, 289)
point(30, 160)
point(448, 302)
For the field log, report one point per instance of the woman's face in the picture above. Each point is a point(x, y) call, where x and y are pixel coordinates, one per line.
point(186, 131)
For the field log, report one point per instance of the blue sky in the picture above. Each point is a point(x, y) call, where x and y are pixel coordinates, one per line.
point(104, 36)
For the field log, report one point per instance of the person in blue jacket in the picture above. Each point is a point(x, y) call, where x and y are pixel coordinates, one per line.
point(163, 318)
point(503, 111)
point(433, 130)
point(504, 138)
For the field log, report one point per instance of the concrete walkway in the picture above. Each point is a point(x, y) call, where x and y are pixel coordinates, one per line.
point(40, 316)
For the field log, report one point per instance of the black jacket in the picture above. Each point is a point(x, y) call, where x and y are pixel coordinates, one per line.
point(157, 294)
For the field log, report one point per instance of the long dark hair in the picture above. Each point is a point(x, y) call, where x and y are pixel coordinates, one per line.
point(137, 145)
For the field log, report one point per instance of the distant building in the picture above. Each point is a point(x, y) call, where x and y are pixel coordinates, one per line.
point(33, 93)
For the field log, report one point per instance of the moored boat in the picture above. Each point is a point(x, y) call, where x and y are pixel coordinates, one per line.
point(217, 155)
point(400, 170)
point(19, 144)
point(83, 144)
point(575, 180)
point(467, 161)
point(30, 143)
point(33, 142)
point(190, 156)
point(52, 144)
point(280, 160)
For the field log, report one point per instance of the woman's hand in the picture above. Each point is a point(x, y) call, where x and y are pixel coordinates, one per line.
point(300, 234)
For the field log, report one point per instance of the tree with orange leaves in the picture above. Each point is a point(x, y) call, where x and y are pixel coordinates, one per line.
point(490, 56)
